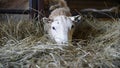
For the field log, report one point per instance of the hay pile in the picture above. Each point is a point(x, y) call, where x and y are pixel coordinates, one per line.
point(23, 45)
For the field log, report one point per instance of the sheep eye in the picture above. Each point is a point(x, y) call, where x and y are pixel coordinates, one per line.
point(72, 26)
point(53, 28)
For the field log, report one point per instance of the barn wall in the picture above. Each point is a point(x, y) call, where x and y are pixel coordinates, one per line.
point(73, 4)
point(84, 4)
point(97, 4)
point(14, 4)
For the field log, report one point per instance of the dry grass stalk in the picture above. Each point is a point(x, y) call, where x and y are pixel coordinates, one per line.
point(24, 46)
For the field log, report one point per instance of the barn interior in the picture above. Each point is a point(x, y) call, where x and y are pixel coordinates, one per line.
point(96, 42)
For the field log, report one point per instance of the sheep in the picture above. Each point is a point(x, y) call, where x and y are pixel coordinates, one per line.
point(60, 24)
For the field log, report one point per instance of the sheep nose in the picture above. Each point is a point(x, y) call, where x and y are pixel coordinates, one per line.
point(60, 41)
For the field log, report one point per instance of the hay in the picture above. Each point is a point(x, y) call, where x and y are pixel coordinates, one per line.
point(23, 45)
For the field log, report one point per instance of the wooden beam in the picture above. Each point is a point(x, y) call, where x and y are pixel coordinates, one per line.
point(36, 7)
point(33, 8)
point(40, 8)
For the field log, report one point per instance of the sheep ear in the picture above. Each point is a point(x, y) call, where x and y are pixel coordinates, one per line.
point(47, 20)
point(76, 18)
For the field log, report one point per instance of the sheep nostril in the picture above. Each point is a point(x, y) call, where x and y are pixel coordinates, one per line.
point(64, 42)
